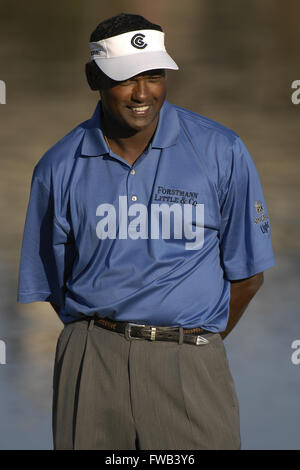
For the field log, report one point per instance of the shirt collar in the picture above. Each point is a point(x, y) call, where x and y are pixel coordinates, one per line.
point(93, 143)
point(167, 130)
point(166, 134)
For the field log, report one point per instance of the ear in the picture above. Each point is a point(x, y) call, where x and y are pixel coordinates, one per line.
point(90, 77)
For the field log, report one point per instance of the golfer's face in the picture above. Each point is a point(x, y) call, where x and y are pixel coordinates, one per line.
point(135, 103)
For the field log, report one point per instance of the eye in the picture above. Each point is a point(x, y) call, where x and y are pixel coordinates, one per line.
point(125, 83)
point(155, 78)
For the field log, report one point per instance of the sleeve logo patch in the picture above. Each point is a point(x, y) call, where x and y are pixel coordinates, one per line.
point(262, 219)
point(259, 207)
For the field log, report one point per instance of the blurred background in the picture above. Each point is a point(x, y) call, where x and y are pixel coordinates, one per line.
point(237, 62)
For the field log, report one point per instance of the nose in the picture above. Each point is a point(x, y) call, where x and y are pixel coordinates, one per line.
point(140, 92)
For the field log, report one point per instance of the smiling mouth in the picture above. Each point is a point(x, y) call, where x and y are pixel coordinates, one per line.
point(139, 110)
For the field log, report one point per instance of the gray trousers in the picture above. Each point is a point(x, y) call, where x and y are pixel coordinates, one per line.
point(111, 393)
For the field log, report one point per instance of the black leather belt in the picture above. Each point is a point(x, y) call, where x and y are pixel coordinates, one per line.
point(132, 331)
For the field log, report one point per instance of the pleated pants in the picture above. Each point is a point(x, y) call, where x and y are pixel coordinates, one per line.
point(111, 393)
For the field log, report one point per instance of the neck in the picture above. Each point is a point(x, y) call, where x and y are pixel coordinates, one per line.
point(127, 143)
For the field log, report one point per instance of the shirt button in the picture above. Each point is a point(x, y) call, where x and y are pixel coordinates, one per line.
point(132, 172)
point(134, 198)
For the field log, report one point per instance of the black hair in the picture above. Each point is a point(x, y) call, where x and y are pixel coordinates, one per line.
point(119, 24)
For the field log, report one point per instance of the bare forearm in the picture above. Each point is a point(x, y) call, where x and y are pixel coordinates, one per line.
point(241, 292)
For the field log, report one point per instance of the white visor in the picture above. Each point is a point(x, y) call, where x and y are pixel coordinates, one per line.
point(126, 55)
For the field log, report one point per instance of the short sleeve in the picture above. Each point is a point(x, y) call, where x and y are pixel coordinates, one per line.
point(45, 254)
point(245, 235)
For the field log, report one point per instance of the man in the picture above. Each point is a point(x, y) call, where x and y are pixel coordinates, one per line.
point(148, 232)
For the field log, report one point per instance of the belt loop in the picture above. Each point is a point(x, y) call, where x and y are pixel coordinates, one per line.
point(91, 324)
point(180, 335)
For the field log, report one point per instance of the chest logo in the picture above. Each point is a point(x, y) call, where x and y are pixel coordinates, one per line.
point(177, 196)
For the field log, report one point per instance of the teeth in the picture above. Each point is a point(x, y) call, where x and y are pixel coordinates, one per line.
point(140, 109)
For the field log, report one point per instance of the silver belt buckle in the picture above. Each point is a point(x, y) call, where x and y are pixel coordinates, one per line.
point(201, 340)
point(153, 333)
point(128, 329)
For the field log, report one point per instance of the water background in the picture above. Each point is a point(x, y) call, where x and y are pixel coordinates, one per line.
point(237, 62)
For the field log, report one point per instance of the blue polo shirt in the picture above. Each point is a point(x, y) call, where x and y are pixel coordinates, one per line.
point(156, 242)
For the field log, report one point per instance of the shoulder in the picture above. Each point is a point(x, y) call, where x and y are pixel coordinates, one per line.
point(65, 147)
point(61, 155)
point(218, 147)
point(196, 123)
point(217, 141)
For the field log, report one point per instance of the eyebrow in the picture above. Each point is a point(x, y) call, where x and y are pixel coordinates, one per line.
point(160, 72)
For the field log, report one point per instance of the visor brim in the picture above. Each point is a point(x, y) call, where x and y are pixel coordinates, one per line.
point(123, 68)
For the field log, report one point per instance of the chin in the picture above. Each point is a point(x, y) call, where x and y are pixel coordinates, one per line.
point(141, 123)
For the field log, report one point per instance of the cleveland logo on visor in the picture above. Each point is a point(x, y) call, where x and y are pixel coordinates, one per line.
point(138, 42)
